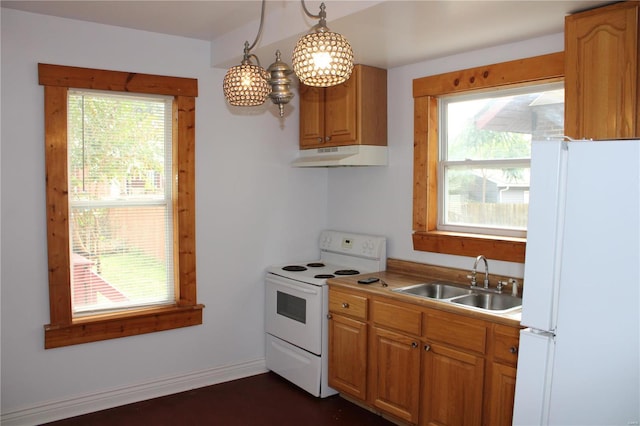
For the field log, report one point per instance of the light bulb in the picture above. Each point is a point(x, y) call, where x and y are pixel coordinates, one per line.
point(321, 60)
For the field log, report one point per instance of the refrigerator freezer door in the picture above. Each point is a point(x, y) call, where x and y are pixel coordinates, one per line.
point(535, 361)
point(542, 262)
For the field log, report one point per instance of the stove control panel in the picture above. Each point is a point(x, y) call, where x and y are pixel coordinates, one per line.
point(353, 244)
point(347, 243)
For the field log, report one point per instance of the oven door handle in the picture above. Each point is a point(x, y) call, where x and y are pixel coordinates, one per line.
point(293, 287)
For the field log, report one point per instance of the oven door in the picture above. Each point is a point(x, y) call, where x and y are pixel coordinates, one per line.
point(293, 312)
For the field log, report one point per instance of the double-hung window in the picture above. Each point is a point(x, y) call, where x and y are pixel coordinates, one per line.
point(485, 156)
point(120, 203)
point(472, 145)
point(120, 192)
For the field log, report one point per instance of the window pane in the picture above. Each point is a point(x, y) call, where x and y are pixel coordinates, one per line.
point(498, 127)
point(487, 197)
point(485, 155)
point(120, 201)
point(119, 258)
point(116, 147)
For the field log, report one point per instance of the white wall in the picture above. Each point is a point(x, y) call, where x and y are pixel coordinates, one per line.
point(253, 210)
point(379, 199)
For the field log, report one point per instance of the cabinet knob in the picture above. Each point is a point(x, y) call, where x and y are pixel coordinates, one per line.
point(427, 348)
point(327, 138)
point(329, 316)
point(345, 305)
point(319, 140)
point(414, 345)
point(513, 349)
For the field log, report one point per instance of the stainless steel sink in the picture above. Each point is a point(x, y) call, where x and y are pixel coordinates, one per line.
point(490, 301)
point(465, 296)
point(435, 290)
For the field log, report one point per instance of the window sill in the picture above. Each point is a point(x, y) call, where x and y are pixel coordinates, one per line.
point(492, 246)
point(111, 326)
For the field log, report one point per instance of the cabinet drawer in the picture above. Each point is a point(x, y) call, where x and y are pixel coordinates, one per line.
point(348, 304)
point(506, 340)
point(397, 317)
point(456, 330)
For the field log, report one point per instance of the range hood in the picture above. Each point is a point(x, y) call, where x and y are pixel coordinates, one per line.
point(339, 156)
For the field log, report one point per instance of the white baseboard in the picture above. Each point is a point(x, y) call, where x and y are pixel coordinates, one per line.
point(83, 404)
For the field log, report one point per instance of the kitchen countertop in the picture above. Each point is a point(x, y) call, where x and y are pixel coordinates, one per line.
point(395, 279)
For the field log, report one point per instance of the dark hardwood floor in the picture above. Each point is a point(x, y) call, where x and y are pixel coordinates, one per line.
point(265, 399)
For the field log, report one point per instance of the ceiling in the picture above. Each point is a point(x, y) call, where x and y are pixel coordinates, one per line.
point(385, 33)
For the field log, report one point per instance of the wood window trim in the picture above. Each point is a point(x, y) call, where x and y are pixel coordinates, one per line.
point(426, 91)
point(63, 329)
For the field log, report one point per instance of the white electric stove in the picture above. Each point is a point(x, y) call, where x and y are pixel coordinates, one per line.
point(297, 305)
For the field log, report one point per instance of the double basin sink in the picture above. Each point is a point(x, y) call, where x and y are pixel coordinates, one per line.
point(472, 298)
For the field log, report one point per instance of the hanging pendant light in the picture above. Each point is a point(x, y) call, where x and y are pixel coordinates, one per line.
point(247, 84)
point(280, 83)
point(322, 58)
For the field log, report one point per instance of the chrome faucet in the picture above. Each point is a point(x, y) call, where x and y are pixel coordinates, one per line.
point(474, 271)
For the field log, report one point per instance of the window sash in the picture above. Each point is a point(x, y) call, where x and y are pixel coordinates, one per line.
point(113, 267)
point(445, 165)
point(444, 203)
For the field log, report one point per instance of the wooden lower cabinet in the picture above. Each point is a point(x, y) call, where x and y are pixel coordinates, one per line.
point(420, 365)
point(452, 386)
point(348, 356)
point(501, 395)
point(502, 384)
point(395, 364)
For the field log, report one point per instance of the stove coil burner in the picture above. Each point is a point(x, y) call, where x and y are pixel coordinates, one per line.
point(346, 272)
point(294, 268)
point(324, 276)
point(315, 265)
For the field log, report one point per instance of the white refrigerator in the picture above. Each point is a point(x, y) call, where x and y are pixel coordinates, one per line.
point(578, 361)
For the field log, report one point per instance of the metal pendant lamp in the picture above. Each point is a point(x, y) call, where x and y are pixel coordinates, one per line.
point(322, 58)
point(247, 84)
point(280, 83)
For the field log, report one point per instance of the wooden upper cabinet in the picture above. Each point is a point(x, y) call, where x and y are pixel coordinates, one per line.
point(311, 116)
point(601, 73)
point(351, 113)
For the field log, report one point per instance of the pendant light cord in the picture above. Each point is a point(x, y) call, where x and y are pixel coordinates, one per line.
point(322, 16)
point(311, 15)
point(248, 49)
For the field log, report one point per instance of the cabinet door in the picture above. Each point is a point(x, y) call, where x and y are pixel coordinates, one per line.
point(502, 380)
point(395, 385)
point(452, 387)
point(503, 390)
point(601, 73)
point(505, 344)
point(311, 116)
point(341, 103)
point(348, 356)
